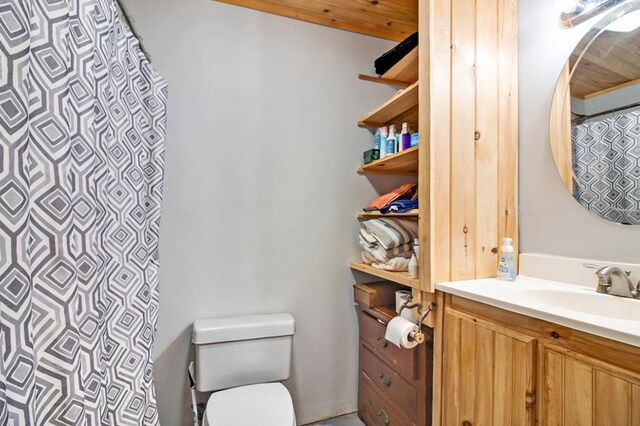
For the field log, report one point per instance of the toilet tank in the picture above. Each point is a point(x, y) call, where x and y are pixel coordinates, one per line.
point(238, 351)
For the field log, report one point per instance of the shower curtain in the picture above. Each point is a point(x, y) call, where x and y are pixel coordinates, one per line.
point(82, 116)
point(606, 164)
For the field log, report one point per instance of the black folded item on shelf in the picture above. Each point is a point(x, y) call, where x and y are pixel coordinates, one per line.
point(393, 56)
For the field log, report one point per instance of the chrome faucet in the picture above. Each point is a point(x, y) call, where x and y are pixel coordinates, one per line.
point(616, 282)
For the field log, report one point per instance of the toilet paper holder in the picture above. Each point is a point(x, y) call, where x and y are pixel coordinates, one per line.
point(418, 336)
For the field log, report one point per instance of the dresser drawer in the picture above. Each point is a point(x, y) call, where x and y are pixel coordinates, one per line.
point(389, 383)
point(372, 332)
point(375, 411)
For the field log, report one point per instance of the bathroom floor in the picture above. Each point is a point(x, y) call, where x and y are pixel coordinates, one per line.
point(347, 420)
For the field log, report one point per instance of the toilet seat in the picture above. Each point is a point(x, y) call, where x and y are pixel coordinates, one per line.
point(265, 404)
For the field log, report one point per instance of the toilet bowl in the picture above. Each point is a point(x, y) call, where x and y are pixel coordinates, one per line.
point(266, 404)
point(242, 360)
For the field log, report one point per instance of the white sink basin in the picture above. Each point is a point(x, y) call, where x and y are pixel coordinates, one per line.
point(585, 302)
point(573, 306)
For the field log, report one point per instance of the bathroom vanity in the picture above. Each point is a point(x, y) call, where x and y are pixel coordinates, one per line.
point(514, 356)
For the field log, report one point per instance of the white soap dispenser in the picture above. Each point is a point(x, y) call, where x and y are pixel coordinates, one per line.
point(507, 265)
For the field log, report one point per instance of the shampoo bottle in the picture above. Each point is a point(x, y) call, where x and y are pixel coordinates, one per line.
point(376, 139)
point(391, 140)
point(405, 137)
point(383, 141)
point(507, 266)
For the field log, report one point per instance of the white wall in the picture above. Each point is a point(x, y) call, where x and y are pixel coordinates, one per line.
point(550, 220)
point(261, 190)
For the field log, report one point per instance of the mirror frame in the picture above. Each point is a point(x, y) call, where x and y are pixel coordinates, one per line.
point(567, 176)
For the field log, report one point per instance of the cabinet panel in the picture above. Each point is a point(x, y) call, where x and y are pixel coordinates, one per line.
point(613, 401)
point(503, 374)
point(635, 402)
point(583, 393)
point(578, 380)
point(450, 384)
point(488, 375)
point(554, 382)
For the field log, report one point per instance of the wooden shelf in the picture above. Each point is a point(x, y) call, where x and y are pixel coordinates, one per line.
point(402, 74)
point(402, 107)
point(396, 277)
point(381, 80)
point(402, 163)
point(411, 214)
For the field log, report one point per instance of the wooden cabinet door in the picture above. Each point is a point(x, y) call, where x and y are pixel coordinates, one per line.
point(488, 374)
point(580, 391)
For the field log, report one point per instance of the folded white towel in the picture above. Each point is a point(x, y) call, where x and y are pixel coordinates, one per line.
point(382, 255)
point(397, 264)
point(389, 233)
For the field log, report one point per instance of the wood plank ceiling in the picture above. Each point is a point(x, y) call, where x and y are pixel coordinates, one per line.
point(388, 19)
point(612, 60)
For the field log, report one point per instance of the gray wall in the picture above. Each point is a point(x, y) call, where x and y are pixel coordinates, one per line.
point(550, 220)
point(261, 190)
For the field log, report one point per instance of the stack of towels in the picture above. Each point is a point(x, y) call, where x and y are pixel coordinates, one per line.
point(388, 243)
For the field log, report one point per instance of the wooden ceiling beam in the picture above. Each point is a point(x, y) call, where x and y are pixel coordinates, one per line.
point(388, 19)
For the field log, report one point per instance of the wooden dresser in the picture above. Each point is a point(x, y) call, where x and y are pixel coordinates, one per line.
point(394, 384)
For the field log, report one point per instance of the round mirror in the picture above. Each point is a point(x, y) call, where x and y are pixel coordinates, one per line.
point(595, 118)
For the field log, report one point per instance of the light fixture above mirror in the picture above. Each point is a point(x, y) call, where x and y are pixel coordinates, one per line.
point(574, 12)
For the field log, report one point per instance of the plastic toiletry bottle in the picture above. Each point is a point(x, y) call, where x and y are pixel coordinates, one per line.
point(413, 266)
point(415, 138)
point(376, 139)
point(391, 140)
point(416, 248)
point(405, 137)
point(383, 141)
point(507, 266)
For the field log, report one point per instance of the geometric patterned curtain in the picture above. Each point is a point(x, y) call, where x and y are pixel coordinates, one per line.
point(606, 166)
point(82, 117)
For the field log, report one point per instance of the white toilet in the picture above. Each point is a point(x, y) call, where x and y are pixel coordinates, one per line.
point(241, 360)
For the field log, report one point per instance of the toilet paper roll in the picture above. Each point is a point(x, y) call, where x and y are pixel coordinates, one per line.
point(401, 298)
point(398, 331)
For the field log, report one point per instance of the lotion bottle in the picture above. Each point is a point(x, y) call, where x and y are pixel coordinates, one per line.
point(413, 266)
point(507, 265)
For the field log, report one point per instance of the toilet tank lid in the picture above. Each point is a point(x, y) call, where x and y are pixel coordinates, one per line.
point(231, 329)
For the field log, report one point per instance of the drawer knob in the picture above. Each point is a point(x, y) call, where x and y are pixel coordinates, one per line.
point(382, 342)
point(384, 379)
point(383, 418)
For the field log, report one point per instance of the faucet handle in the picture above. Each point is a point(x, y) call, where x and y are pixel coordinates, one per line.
point(591, 266)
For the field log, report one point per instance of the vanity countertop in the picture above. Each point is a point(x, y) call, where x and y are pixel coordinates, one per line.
point(570, 305)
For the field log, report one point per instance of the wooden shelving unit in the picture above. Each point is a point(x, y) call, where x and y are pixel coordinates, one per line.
point(396, 277)
point(403, 107)
point(402, 163)
point(411, 214)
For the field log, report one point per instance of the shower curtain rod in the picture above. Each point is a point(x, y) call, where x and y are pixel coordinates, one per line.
point(130, 20)
point(582, 118)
